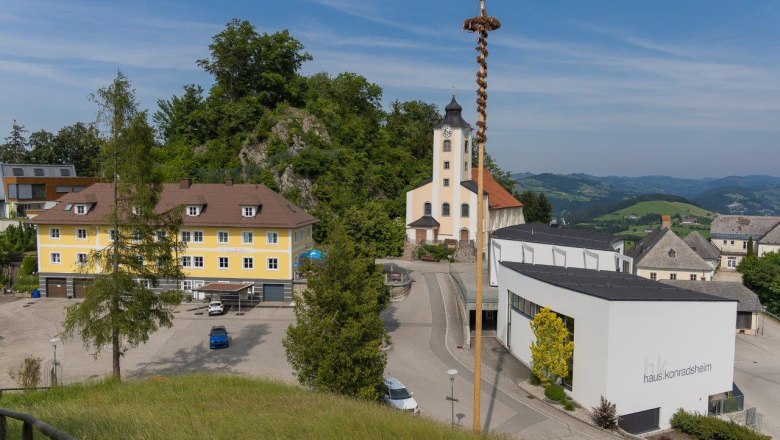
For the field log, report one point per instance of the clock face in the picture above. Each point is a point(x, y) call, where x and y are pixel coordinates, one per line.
point(446, 131)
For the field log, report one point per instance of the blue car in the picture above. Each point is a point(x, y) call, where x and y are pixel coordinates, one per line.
point(218, 337)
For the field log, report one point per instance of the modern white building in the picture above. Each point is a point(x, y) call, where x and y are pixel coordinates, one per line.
point(648, 347)
point(541, 244)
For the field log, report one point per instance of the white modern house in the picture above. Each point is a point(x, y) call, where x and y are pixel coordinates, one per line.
point(648, 347)
point(541, 244)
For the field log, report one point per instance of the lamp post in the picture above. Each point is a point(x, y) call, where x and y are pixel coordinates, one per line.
point(452, 372)
point(54, 379)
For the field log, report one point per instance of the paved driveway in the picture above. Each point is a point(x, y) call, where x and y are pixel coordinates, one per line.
point(757, 374)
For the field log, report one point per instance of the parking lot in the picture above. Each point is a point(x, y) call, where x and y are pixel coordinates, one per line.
point(26, 326)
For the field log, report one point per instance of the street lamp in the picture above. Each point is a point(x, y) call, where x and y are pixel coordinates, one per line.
point(54, 341)
point(452, 372)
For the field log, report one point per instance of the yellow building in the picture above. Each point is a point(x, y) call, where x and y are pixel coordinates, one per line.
point(233, 233)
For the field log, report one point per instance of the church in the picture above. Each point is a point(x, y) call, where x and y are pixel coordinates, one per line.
point(445, 206)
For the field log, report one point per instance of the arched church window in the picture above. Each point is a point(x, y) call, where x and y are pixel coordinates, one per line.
point(464, 210)
point(447, 145)
point(445, 209)
point(427, 208)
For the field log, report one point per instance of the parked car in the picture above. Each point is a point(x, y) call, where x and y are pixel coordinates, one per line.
point(397, 396)
point(218, 337)
point(216, 308)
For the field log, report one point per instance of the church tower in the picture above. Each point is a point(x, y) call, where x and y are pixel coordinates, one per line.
point(451, 148)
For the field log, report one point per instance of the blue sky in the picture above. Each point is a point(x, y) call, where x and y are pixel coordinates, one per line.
point(607, 87)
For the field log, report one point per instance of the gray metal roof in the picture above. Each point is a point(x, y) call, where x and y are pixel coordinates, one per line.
point(742, 226)
point(748, 300)
point(541, 233)
point(702, 246)
point(611, 286)
point(425, 221)
point(30, 170)
point(663, 249)
point(453, 117)
point(771, 237)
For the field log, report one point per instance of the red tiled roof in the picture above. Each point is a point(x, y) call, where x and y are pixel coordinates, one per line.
point(221, 206)
point(498, 197)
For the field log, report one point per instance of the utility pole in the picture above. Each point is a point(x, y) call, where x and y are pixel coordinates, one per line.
point(481, 25)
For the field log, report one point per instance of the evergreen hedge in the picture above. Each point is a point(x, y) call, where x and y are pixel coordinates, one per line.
point(711, 428)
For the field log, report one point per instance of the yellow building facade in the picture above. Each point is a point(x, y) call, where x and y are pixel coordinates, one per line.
point(221, 246)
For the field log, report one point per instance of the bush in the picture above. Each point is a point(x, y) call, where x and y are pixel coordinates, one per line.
point(534, 380)
point(555, 393)
point(28, 374)
point(711, 428)
point(605, 415)
point(437, 251)
point(568, 405)
point(29, 265)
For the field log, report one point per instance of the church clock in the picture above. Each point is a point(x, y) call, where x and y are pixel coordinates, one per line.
point(446, 131)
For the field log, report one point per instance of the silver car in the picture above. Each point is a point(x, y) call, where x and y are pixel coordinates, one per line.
point(397, 396)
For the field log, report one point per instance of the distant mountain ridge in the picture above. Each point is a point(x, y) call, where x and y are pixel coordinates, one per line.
point(571, 193)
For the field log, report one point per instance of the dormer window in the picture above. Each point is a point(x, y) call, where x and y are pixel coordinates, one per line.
point(81, 209)
point(135, 210)
point(249, 211)
point(672, 253)
point(193, 210)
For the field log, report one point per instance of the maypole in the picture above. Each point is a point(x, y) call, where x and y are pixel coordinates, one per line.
point(481, 25)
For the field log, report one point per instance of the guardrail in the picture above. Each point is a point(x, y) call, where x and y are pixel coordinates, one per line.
point(28, 424)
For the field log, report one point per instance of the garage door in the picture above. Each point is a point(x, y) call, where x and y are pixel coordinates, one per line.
point(640, 422)
point(273, 292)
point(79, 287)
point(56, 288)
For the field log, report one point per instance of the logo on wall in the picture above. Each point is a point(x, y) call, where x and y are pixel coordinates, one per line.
point(657, 371)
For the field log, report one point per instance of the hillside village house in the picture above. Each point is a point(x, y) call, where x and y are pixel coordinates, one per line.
point(770, 242)
point(541, 244)
point(241, 234)
point(649, 348)
point(731, 233)
point(662, 255)
point(28, 189)
point(444, 207)
point(706, 250)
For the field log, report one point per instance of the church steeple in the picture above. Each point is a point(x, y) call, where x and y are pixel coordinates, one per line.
point(452, 116)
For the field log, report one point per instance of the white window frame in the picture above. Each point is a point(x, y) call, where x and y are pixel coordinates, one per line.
point(275, 260)
point(227, 263)
point(275, 236)
point(251, 262)
point(248, 211)
point(79, 259)
point(184, 284)
point(54, 233)
point(195, 262)
point(193, 210)
point(196, 235)
point(78, 234)
point(55, 258)
point(186, 236)
point(81, 210)
point(654, 276)
point(186, 261)
point(219, 237)
point(244, 236)
point(143, 282)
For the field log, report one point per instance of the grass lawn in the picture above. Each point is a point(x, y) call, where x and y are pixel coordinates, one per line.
point(218, 407)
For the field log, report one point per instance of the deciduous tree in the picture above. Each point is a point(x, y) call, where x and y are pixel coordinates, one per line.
point(335, 343)
point(762, 275)
point(118, 311)
point(552, 347)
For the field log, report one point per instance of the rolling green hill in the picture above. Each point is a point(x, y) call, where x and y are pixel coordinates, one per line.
point(659, 207)
point(204, 406)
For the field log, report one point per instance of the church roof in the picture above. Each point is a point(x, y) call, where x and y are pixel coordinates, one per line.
point(453, 117)
point(498, 198)
point(425, 221)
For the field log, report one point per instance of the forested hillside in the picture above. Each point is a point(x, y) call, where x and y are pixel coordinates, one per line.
point(323, 141)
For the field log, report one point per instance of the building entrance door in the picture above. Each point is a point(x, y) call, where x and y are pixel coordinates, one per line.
point(419, 235)
point(464, 235)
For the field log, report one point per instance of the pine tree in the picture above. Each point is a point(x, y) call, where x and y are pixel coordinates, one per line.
point(552, 347)
point(750, 245)
point(14, 150)
point(334, 345)
point(117, 311)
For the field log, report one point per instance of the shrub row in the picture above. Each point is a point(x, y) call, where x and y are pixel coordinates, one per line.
point(711, 428)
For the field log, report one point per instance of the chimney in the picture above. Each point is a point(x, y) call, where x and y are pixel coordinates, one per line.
point(185, 183)
point(229, 182)
point(666, 222)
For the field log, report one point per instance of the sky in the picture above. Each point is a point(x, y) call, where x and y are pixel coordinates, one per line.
point(605, 87)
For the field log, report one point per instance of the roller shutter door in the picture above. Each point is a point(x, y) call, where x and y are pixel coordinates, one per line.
point(273, 292)
point(56, 288)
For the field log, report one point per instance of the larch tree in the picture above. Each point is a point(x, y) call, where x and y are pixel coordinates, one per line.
point(120, 310)
point(335, 343)
point(552, 347)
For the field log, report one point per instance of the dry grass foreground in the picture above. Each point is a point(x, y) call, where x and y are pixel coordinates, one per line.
point(218, 407)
